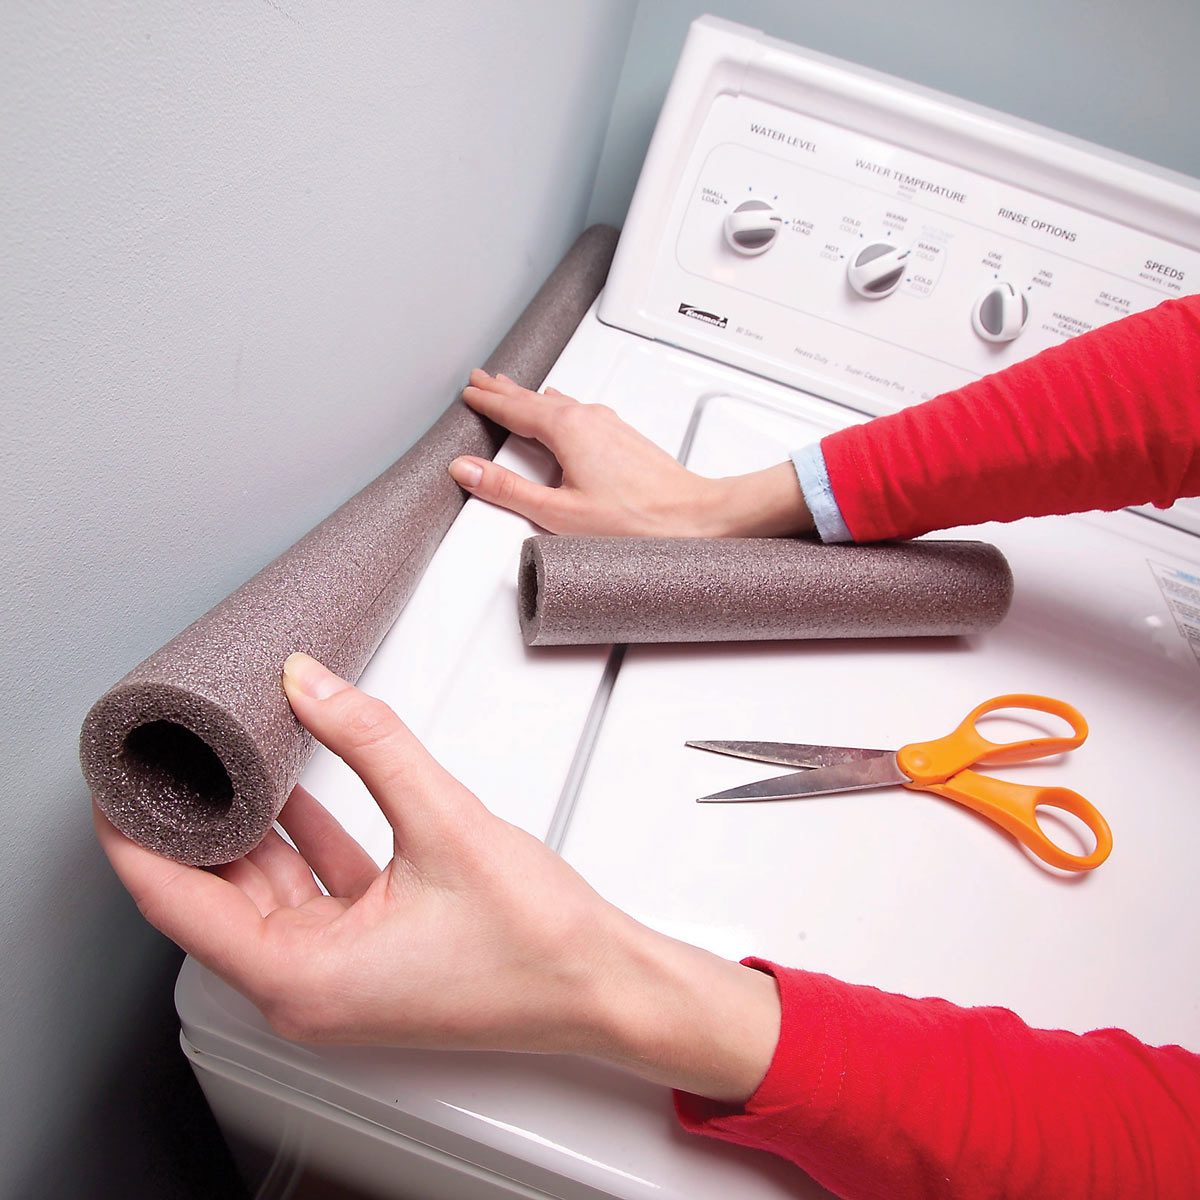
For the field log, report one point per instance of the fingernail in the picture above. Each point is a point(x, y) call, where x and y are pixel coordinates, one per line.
point(465, 472)
point(310, 677)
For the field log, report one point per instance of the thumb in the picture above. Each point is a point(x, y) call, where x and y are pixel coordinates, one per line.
point(417, 796)
point(498, 485)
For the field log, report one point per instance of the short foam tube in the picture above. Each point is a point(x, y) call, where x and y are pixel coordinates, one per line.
point(585, 590)
point(194, 752)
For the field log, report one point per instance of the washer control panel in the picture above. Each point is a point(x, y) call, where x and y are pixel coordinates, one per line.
point(812, 252)
point(874, 242)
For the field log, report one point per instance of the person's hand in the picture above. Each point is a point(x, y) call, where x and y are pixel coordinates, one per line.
point(473, 935)
point(614, 480)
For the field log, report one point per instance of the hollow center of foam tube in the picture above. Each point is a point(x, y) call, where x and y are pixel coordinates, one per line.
point(527, 589)
point(189, 780)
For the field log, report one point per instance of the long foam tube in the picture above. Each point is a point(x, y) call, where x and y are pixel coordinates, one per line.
point(194, 752)
point(585, 590)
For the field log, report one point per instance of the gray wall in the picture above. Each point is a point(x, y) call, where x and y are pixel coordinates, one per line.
point(247, 251)
point(1117, 73)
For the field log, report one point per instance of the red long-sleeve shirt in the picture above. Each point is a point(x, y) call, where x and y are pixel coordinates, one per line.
point(1108, 419)
point(877, 1095)
point(883, 1097)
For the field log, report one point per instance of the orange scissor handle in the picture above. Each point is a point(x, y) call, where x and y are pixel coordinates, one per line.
point(1013, 806)
point(935, 762)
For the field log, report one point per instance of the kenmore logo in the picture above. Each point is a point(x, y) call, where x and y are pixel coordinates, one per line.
point(700, 315)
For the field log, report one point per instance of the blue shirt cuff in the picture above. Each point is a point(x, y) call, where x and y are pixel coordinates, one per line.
point(818, 495)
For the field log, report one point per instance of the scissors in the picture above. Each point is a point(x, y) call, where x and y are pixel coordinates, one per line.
point(942, 766)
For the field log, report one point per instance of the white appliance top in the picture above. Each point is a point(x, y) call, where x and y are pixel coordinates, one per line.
point(896, 889)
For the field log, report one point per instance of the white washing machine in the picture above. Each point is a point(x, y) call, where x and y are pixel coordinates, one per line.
point(731, 359)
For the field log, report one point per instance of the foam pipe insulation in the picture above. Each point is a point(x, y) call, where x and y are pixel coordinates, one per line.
point(194, 752)
point(584, 590)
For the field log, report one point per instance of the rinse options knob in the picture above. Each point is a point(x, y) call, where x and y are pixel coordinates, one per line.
point(877, 269)
point(1000, 313)
point(752, 227)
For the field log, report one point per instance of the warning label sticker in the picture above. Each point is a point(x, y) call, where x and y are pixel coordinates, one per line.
point(1181, 590)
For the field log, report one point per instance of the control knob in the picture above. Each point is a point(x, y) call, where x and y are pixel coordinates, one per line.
point(877, 269)
point(752, 227)
point(1000, 313)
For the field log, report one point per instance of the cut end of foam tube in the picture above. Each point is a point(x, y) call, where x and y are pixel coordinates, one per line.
point(529, 584)
point(178, 774)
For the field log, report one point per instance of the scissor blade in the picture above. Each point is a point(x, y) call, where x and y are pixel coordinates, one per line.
point(880, 771)
point(790, 754)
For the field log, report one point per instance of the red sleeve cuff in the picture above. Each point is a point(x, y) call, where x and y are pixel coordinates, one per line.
point(806, 1070)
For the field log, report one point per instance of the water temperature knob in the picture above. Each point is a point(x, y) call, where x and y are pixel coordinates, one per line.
point(877, 269)
point(752, 227)
point(1000, 313)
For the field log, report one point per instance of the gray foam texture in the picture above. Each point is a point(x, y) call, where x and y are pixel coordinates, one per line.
point(194, 752)
point(586, 590)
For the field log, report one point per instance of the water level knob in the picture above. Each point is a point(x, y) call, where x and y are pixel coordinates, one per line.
point(877, 269)
point(1000, 313)
point(752, 227)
